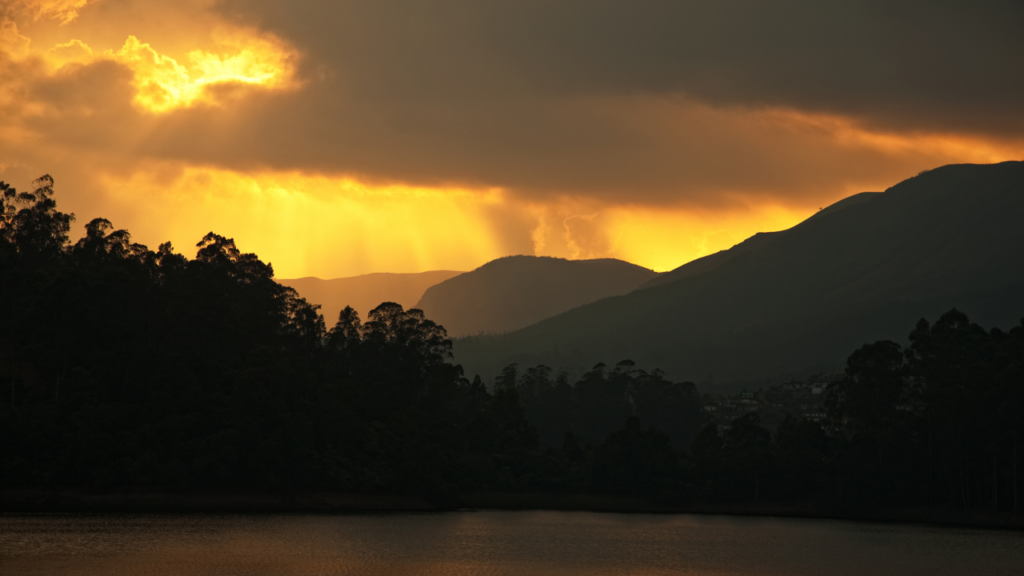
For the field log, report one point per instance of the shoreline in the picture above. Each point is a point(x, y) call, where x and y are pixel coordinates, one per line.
point(34, 501)
point(210, 501)
point(633, 505)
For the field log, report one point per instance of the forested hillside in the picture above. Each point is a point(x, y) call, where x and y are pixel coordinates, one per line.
point(791, 303)
point(128, 368)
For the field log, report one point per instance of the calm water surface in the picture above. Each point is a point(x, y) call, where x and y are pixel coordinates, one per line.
point(494, 543)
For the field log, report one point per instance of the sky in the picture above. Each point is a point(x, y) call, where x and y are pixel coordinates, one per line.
point(354, 136)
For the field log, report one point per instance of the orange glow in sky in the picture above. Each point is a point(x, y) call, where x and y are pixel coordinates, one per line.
point(155, 172)
point(664, 239)
point(313, 225)
point(310, 225)
point(64, 11)
point(162, 84)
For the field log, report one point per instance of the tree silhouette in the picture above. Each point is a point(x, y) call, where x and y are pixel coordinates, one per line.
point(32, 224)
point(125, 367)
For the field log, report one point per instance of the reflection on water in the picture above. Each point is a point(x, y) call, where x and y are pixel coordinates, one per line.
point(493, 543)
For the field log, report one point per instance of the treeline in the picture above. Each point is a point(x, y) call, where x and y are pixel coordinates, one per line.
point(131, 367)
point(939, 424)
point(601, 401)
point(127, 367)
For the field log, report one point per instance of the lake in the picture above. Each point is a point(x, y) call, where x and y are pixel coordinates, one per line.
point(493, 544)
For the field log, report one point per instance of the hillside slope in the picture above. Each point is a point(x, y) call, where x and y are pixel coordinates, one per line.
point(711, 261)
point(366, 292)
point(798, 301)
point(516, 291)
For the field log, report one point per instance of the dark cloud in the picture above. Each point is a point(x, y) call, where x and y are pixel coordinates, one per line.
point(946, 65)
point(612, 98)
point(632, 150)
point(645, 102)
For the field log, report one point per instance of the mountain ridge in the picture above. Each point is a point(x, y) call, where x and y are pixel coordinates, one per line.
point(366, 291)
point(796, 301)
point(515, 291)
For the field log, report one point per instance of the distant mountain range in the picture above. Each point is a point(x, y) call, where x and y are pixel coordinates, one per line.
point(790, 303)
point(366, 292)
point(513, 292)
point(503, 295)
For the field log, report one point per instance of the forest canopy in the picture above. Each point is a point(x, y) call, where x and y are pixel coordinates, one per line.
point(127, 367)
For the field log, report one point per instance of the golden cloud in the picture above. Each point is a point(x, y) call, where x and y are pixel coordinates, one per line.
point(14, 44)
point(341, 170)
point(162, 84)
point(65, 11)
point(589, 236)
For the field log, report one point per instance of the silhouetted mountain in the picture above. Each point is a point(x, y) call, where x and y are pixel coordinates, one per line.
point(130, 372)
point(706, 263)
point(516, 291)
point(365, 292)
point(788, 303)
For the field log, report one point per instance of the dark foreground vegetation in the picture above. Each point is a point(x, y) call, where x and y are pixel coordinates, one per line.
point(128, 369)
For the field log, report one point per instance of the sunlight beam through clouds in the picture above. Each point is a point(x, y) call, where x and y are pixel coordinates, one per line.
point(312, 224)
point(327, 226)
point(352, 153)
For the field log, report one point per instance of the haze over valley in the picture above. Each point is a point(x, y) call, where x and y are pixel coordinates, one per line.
point(364, 293)
point(778, 305)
